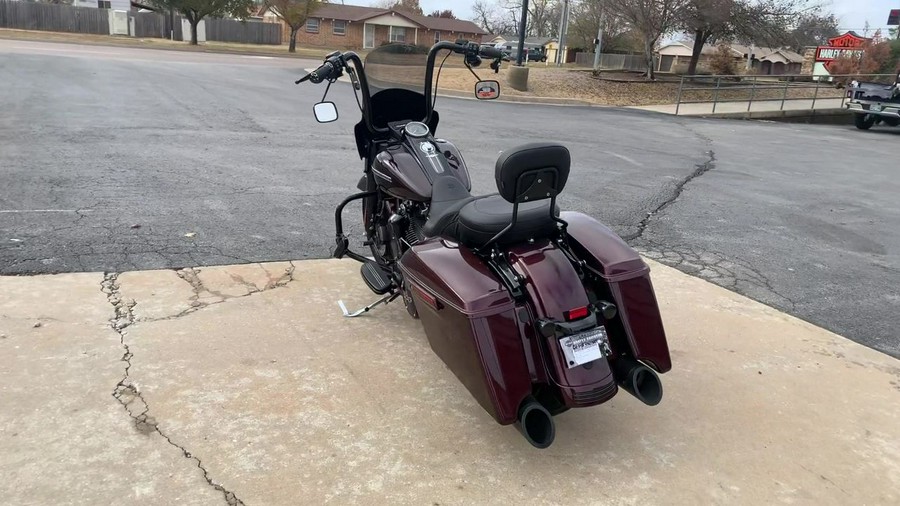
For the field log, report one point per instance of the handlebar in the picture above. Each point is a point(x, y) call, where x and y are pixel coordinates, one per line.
point(336, 62)
point(322, 73)
point(491, 52)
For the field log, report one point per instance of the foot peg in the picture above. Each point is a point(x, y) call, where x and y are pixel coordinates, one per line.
point(376, 278)
point(384, 300)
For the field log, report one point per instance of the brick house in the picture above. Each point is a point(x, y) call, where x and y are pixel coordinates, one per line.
point(356, 27)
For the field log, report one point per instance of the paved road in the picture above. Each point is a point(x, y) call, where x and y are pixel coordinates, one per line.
point(120, 159)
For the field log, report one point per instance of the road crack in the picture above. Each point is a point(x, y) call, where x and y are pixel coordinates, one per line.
point(127, 392)
point(191, 275)
point(676, 192)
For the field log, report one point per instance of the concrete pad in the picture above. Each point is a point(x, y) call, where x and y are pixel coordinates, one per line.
point(281, 400)
point(64, 439)
point(163, 293)
point(278, 393)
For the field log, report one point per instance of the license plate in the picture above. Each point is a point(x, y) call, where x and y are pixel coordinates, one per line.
point(584, 347)
point(876, 108)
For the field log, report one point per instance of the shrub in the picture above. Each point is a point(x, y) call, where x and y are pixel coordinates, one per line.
point(723, 63)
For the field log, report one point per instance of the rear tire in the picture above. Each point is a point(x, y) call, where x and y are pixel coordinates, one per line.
point(864, 121)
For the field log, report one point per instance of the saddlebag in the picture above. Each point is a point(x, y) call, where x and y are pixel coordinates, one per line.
point(470, 321)
point(627, 278)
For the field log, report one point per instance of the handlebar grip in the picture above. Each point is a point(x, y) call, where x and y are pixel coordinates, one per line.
point(322, 73)
point(491, 52)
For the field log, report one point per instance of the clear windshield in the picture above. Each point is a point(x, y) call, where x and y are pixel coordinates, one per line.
point(397, 66)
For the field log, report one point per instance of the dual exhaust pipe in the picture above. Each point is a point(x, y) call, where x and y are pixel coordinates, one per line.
point(536, 423)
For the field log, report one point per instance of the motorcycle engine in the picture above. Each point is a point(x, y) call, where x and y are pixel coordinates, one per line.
point(416, 214)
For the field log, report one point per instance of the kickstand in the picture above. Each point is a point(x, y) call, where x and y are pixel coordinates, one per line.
point(384, 300)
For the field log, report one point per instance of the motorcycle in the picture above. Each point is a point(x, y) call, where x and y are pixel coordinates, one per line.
point(534, 310)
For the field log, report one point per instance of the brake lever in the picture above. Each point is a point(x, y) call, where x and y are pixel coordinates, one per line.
point(304, 78)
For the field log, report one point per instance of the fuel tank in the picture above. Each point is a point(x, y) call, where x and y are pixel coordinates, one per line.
point(407, 170)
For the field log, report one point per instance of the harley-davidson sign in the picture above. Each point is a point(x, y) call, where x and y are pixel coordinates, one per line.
point(847, 45)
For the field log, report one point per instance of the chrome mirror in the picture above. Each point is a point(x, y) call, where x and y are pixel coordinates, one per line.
point(325, 112)
point(487, 90)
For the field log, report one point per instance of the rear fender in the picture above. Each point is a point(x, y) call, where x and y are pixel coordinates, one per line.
point(554, 287)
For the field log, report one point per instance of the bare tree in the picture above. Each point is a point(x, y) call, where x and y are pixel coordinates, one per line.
point(651, 19)
point(543, 16)
point(446, 13)
point(586, 16)
point(764, 22)
point(294, 13)
point(401, 5)
point(813, 29)
point(494, 19)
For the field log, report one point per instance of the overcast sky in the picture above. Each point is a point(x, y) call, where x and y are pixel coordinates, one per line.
point(852, 13)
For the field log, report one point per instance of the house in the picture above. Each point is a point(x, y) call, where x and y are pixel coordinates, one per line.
point(763, 60)
point(357, 27)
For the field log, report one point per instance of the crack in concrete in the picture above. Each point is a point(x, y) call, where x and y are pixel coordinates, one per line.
point(191, 276)
point(698, 171)
point(129, 395)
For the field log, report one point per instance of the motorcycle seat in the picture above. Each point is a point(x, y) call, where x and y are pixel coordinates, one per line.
point(531, 175)
point(448, 196)
point(473, 221)
point(484, 217)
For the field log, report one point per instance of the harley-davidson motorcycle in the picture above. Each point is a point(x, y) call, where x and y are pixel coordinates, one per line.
point(536, 311)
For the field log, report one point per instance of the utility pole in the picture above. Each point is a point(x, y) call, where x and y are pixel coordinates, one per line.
point(522, 26)
point(599, 45)
point(560, 59)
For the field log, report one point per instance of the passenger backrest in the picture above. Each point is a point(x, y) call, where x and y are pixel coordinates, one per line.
point(534, 171)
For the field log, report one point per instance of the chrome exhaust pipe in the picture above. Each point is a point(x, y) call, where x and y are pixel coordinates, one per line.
point(536, 424)
point(638, 380)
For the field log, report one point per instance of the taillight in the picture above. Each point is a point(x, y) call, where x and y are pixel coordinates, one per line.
point(576, 314)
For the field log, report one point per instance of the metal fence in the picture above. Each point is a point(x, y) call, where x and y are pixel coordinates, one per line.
point(246, 32)
point(611, 61)
point(53, 17)
point(736, 93)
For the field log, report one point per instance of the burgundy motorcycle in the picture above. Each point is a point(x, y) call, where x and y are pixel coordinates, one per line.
point(534, 310)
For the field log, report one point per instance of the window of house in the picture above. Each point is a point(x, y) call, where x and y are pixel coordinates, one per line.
point(103, 4)
point(339, 27)
point(398, 34)
point(437, 37)
point(312, 25)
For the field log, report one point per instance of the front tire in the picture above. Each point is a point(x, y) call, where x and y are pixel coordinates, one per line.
point(864, 121)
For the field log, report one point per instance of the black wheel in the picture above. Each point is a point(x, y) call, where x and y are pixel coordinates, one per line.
point(891, 121)
point(864, 121)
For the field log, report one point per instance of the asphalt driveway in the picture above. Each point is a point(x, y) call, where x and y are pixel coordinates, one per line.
point(117, 159)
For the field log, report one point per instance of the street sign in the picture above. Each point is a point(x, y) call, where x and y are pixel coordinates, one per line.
point(894, 17)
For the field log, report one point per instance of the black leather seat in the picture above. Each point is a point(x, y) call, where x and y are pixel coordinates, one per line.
point(485, 217)
point(530, 174)
point(448, 196)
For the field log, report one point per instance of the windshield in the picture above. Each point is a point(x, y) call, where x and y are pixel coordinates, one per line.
point(396, 75)
point(397, 66)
